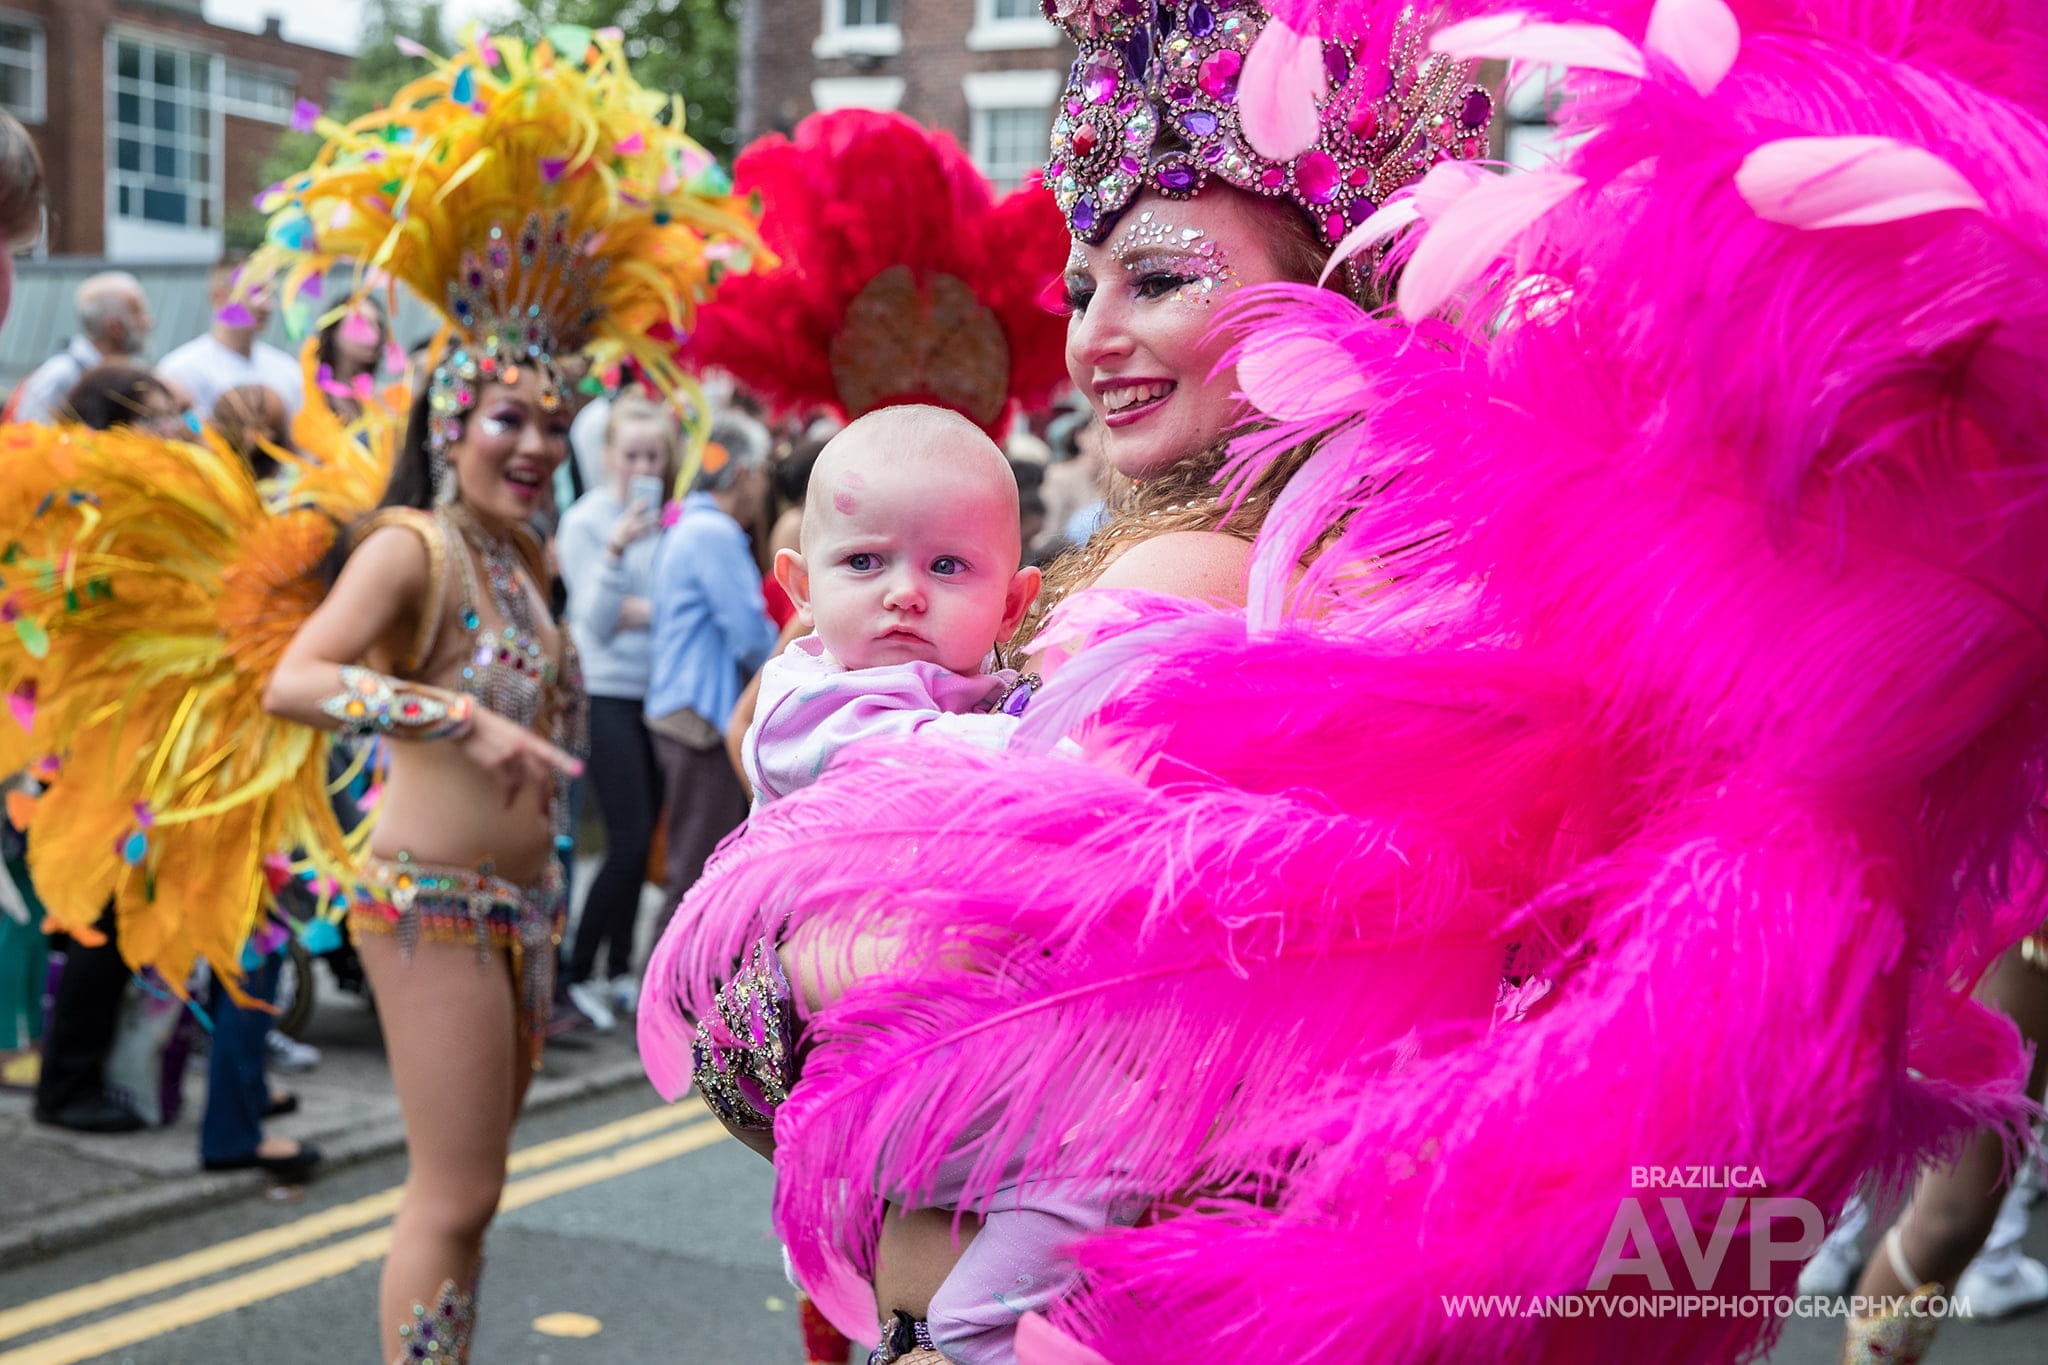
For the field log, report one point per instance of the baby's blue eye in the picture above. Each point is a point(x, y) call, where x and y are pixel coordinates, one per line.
point(947, 566)
point(861, 563)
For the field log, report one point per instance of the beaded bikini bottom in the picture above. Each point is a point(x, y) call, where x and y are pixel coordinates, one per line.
point(743, 1058)
point(471, 905)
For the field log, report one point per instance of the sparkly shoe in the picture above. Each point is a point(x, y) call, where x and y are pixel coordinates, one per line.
point(905, 1341)
point(441, 1333)
point(823, 1343)
point(1891, 1338)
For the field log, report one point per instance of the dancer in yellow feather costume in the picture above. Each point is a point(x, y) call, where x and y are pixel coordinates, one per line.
point(539, 199)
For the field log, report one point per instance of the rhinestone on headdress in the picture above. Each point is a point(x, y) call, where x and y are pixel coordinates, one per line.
point(1152, 102)
point(520, 299)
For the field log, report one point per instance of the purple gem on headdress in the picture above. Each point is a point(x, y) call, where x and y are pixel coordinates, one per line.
point(1335, 64)
point(1219, 74)
point(1201, 20)
point(1177, 177)
point(1180, 93)
point(1084, 213)
point(1099, 80)
point(1128, 105)
point(1476, 110)
point(1129, 165)
point(1358, 210)
point(1316, 176)
point(1075, 104)
point(1055, 170)
point(1199, 122)
point(1213, 153)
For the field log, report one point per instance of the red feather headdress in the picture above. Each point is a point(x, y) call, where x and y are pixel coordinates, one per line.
point(903, 278)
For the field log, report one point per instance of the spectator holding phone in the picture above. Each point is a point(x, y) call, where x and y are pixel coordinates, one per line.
point(606, 544)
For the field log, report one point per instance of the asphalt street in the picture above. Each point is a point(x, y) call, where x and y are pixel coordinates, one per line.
point(632, 1233)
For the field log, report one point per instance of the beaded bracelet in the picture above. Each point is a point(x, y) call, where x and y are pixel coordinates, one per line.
point(372, 704)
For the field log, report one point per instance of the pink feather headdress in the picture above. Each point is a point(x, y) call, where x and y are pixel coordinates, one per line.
point(1681, 644)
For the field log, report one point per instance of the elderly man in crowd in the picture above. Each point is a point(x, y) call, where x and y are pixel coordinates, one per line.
point(114, 323)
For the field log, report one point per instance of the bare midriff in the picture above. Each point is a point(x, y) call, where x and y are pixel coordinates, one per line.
point(440, 808)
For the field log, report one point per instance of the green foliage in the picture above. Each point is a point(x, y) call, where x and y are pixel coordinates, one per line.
point(686, 47)
point(378, 73)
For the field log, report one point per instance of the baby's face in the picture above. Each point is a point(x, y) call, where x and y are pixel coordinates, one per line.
point(913, 559)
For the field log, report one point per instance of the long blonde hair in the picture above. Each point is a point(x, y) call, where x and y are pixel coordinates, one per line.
point(1185, 497)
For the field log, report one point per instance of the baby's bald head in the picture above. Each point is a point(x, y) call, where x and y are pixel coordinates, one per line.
point(932, 454)
point(911, 547)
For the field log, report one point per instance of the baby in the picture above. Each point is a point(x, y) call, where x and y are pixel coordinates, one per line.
point(909, 575)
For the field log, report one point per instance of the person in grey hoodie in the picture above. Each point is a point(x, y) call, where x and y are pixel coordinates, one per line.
point(606, 544)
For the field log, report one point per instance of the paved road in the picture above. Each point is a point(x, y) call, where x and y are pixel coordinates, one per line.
point(643, 1227)
point(646, 1228)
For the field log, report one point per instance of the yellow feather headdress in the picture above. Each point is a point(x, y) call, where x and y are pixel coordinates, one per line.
point(537, 197)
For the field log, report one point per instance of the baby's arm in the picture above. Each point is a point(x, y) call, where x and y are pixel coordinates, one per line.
point(806, 718)
point(1013, 1266)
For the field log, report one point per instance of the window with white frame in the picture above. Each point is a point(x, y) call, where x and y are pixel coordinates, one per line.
point(21, 68)
point(257, 92)
point(162, 167)
point(1530, 139)
point(859, 28)
point(865, 13)
point(1010, 115)
point(1003, 24)
point(1010, 143)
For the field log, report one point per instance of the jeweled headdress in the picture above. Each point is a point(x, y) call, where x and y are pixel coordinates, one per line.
point(1153, 103)
point(540, 198)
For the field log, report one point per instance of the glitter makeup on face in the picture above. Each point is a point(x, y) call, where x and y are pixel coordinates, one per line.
point(1151, 242)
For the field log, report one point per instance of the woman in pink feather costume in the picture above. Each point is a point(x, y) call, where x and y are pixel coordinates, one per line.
point(1684, 627)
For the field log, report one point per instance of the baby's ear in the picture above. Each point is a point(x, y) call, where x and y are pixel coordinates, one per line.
point(794, 578)
point(1023, 592)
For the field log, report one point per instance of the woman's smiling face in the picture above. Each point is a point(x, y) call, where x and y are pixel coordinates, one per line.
point(510, 447)
point(1143, 308)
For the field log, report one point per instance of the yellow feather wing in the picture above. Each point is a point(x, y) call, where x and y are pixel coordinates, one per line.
point(166, 590)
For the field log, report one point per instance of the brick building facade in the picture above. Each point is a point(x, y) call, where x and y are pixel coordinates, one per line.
point(987, 71)
point(151, 121)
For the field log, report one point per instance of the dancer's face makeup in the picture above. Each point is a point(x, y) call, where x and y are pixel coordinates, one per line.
point(511, 444)
point(1143, 307)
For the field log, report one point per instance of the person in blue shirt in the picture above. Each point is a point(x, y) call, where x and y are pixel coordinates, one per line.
point(711, 632)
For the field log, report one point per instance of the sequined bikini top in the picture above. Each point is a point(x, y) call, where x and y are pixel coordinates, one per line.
point(507, 668)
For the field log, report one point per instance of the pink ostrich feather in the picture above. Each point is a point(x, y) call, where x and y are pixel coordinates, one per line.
point(1674, 614)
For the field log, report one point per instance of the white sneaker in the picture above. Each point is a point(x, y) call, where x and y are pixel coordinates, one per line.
point(289, 1054)
point(624, 993)
point(585, 996)
point(1999, 1284)
point(1832, 1271)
